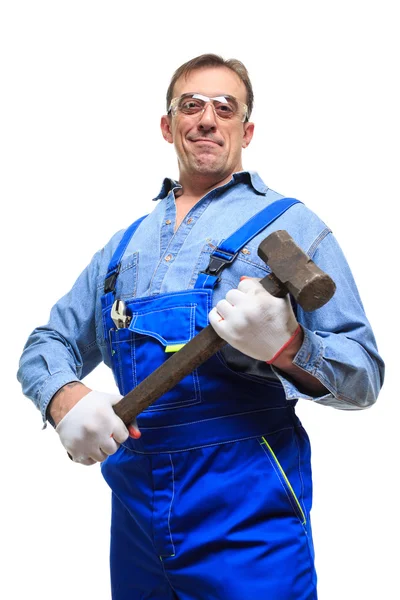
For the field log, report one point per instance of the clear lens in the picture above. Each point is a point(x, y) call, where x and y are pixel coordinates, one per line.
point(190, 105)
point(226, 107)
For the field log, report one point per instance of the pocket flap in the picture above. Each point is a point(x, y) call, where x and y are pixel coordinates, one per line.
point(170, 325)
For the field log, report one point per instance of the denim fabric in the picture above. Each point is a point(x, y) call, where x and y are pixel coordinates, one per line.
point(339, 346)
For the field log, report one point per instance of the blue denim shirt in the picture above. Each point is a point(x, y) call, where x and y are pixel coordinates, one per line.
point(339, 347)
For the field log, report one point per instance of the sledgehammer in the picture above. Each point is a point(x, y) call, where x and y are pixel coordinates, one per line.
point(292, 272)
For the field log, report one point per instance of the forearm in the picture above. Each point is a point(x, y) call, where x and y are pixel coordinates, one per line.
point(46, 365)
point(338, 347)
point(350, 373)
point(65, 349)
point(63, 400)
point(304, 381)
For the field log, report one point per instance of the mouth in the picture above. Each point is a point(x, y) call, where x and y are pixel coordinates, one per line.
point(206, 141)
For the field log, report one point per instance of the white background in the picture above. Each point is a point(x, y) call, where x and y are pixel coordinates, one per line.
point(83, 86)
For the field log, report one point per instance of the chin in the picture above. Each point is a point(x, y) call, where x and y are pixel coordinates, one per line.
point(210, 167)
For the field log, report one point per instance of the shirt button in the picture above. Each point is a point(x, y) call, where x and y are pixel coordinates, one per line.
point(189, 220)
point(168, 257)
point(168, 222)
point(245, 251)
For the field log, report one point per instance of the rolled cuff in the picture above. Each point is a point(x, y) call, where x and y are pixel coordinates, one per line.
point(311, 359)
point(50, 387)
point(308, 358)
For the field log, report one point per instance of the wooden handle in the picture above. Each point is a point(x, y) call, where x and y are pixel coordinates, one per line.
point(172, 371)
point(206, 343)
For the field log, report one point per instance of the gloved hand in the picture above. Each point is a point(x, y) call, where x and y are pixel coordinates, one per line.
point(91, 430)
point(253, 321)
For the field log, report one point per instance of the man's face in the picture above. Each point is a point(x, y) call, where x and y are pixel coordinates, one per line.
point(206, 144)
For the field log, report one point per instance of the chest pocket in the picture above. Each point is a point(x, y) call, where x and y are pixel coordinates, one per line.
point(127, 279)
point(159, 327)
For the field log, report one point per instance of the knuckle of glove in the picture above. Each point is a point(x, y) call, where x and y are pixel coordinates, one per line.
point(249, 285)
point(237, 328)
point(120, 433)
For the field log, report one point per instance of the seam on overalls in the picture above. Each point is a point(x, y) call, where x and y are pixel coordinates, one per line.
point(170, 506)
point(274, 466)
point(279, 476)
point(192, 321)
point(195, 374)
point(133, 360)
point(248, 412)
point(136, 329)
point(300, 473)
point(209, 304)
point(205, 282)
point(121, 378)
point(250, 437)
point(173, 405)
point(166, 574)
point(152, 506)
point(168, 405)
point(151, 312)
point(197, 389)
point(178, 294)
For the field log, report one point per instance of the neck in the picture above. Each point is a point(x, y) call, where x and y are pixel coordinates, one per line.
point(198, 184)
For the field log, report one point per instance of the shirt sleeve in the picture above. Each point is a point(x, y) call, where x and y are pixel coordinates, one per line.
point(339, 347)
point(65, 349)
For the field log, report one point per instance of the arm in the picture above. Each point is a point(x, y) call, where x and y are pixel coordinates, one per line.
point(65, 349)
point(61, 353)
point(333, 360)
point(285, 364)
point(65, 399)
point(339, 347)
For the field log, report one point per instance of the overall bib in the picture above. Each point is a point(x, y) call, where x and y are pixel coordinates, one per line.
point(213, 501)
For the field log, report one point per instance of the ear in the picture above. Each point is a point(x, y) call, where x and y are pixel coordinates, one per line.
point(247, 134)
point(166, 129)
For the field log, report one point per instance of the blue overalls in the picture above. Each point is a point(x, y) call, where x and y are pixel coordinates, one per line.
point(213, 501)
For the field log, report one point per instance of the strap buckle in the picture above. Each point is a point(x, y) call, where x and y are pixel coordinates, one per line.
point(219, 263)
point(111, 280)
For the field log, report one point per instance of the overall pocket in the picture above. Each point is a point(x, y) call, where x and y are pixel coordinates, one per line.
point(159, 326)
point(286, 468)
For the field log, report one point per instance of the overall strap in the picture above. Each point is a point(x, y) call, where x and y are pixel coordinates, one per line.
point(227, 251)
point(114, 266)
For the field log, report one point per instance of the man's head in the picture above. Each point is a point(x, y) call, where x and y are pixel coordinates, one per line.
point(209, 102)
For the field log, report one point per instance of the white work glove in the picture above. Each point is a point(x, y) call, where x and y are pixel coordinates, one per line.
point(91, 430)
point(253, 321)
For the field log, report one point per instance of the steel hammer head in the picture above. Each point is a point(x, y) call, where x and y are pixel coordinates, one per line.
point(294, 272)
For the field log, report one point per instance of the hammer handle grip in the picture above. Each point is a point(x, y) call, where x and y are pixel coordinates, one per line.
point(166, 376)
point(274, 286)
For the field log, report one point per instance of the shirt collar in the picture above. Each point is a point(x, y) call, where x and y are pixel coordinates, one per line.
point(167, 185)
point(251, 177)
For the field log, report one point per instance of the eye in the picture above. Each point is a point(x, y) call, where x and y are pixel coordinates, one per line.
point(191, 106)
point(225, 110)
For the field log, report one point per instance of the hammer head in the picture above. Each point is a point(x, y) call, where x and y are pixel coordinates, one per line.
point(294, 272)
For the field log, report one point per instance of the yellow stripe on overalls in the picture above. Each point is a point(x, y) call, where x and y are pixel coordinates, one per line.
point(173, 347)
point(286, 479)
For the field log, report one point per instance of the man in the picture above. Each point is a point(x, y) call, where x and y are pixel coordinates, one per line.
point(212, 488)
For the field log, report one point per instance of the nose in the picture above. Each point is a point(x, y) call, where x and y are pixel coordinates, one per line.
point(208, 118)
